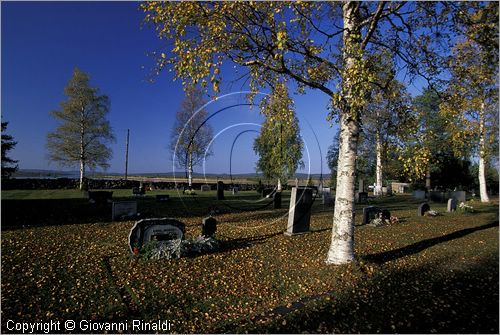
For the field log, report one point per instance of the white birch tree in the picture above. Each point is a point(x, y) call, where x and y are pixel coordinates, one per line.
point(83, 132)
point(320, 45)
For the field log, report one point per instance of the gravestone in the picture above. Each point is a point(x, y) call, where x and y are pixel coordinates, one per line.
point(452, 205)
point(296, 182)
point(460, 196)
point(372, 212)
point(419, 194)
point(100, 197)
point(267, 192)
point(362, 197)
point(161, 230)
point(162, 197)
point(205, 188)
point(209, 226)
point(299, 214)
point(438, 196)
point(327, 196)
point(220, 190)
point(138, 191)
point(235, 190)
point(277, 200)
point(423, 208)
point(361, 185)
point(121, 209)
point(389, 190)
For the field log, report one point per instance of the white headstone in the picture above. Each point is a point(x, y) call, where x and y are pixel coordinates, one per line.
point(327, 196)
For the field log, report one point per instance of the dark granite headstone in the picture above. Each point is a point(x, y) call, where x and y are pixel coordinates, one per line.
point(155, 229)
point(423, 208)
point(372, 212)
point(299, 214)
point(452, 205)
point(137, 191)
point(220, 190)
point(277, 200)
point(209, 226)
point(100, 197)
point(459, 196)
point(362, 197)
point(267, 192)
point(121, 209)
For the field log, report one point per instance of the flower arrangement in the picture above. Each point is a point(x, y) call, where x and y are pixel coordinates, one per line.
point(464, 208)
point(379, 221)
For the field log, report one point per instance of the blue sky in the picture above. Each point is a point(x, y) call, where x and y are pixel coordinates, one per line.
point(42, 42)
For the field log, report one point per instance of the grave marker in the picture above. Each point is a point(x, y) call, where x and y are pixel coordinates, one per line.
point(423, 208)
point(209, 226)
point(220, 190)
point(100, 197)
point(299, 214)
point(361, 185)
point(460, 196)
point(122, 209)
point(362, 197)
point(277, 200)
point(326, 196)
point(161, 230)
point(419, 194)
point(452, 205)
point(267, 192)
point(372, 212)
point(205, 188)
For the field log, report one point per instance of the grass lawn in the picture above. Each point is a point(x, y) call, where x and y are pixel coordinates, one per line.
point(424, 274)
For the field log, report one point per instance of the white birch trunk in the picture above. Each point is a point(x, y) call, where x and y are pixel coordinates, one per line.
point(379, 169)
point(482, 164)
point(190, 171)
point(82, 150)
point(82, 174)
point(428, 179)
point(342, 244)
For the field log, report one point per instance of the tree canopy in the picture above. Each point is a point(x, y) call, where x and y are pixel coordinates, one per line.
point(329, 46)
point(191, 135)
point(83, 132)
point(279, 144)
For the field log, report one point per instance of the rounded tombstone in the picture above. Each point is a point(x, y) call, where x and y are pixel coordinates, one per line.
point(209, 226)
point(423, 208)
point(162, 231)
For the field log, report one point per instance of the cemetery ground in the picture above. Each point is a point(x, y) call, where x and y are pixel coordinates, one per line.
point(423, 274)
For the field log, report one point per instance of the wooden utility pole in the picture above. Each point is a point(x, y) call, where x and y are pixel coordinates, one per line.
point(126, 155)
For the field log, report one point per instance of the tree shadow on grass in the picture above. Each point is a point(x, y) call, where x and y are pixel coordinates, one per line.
point(44, 212)
point(417, 247)
point(424, 299)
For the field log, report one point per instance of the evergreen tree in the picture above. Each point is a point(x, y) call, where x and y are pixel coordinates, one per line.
point(9, 165)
